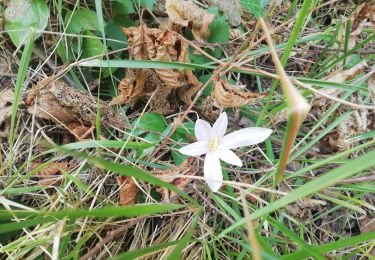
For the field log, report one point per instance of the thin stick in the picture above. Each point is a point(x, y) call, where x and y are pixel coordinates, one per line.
point(255, 247)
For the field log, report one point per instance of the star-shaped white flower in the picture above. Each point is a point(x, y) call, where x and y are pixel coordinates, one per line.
point(216, 145)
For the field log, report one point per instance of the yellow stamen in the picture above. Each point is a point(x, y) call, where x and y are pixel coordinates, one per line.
point(213, 144)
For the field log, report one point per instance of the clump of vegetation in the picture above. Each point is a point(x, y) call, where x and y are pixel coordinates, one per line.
point(105, 109)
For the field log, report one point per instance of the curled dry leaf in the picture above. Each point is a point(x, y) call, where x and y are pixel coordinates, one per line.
point(161, 45)
point(54, 100)
point(128, 190)
point(228, 95)
point(364, 12)
point(339, 77)
point(302, 208)
point(186, 168)
point(187, 13)
point(356, 123)
point(51, 174)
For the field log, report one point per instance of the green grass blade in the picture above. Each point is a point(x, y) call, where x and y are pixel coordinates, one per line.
point(21, 75)
point(342, 243)
point(330, 178)
point(145, 251)
point(106, 144)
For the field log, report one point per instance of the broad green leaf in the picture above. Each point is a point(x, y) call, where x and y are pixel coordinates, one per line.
point(80, 20)
point(219, 31)
point(25, 16)
point(122, 7)
point(92, 46)
point(256, 7)
point(114, 32)
point(149, 4)
point(151, 121)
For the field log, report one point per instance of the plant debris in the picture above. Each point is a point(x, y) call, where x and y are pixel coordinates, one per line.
point(128, 191)
point(155, 44)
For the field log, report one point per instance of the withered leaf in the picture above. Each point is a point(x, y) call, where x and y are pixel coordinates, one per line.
point(56, 101)
point(228, 95)
point(339, 77)
point(156, 44)
point(51, 174)
point(186, 168)
point(128, 190)
point(187, 13)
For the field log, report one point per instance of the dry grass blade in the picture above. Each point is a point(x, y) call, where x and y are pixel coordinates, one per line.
point(297, 104)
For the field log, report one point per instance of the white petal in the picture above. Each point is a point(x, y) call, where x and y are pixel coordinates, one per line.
point(245, 137)
point(194, 149)
point(202, 130)
point(212, 171)
point(228, 156)
point(220, 126)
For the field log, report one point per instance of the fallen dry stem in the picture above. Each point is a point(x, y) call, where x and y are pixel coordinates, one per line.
point(251, 237)
point(297, 104)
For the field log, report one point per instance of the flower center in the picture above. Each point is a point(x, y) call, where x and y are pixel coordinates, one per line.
point(213, 144)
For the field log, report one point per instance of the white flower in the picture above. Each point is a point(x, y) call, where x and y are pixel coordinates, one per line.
point(216, 145)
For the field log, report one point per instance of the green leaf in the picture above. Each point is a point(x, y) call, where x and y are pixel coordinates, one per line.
point(219, 31)
point(256, 7)
point(80, 20)
point(25, 16)
point(149, 4)
point(92, 46)
point(114, 32)
point(122, 7)
point(354, 60)
point(152, 121)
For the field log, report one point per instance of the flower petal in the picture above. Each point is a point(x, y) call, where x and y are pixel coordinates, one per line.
point(202, 130)
point(194, 149)
point(220, 126)
point(245, 137)
point(228, 156)
point(212, 171)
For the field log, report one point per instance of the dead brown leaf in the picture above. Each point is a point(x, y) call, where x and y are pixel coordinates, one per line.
point(128, 190)
point(228, 95)
point(339, 77)
point(367, 225)
point(188, 14)
point(161, 45)
point(186, 168)
point(56, 101)
point(51, 174)
point(365, 11)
